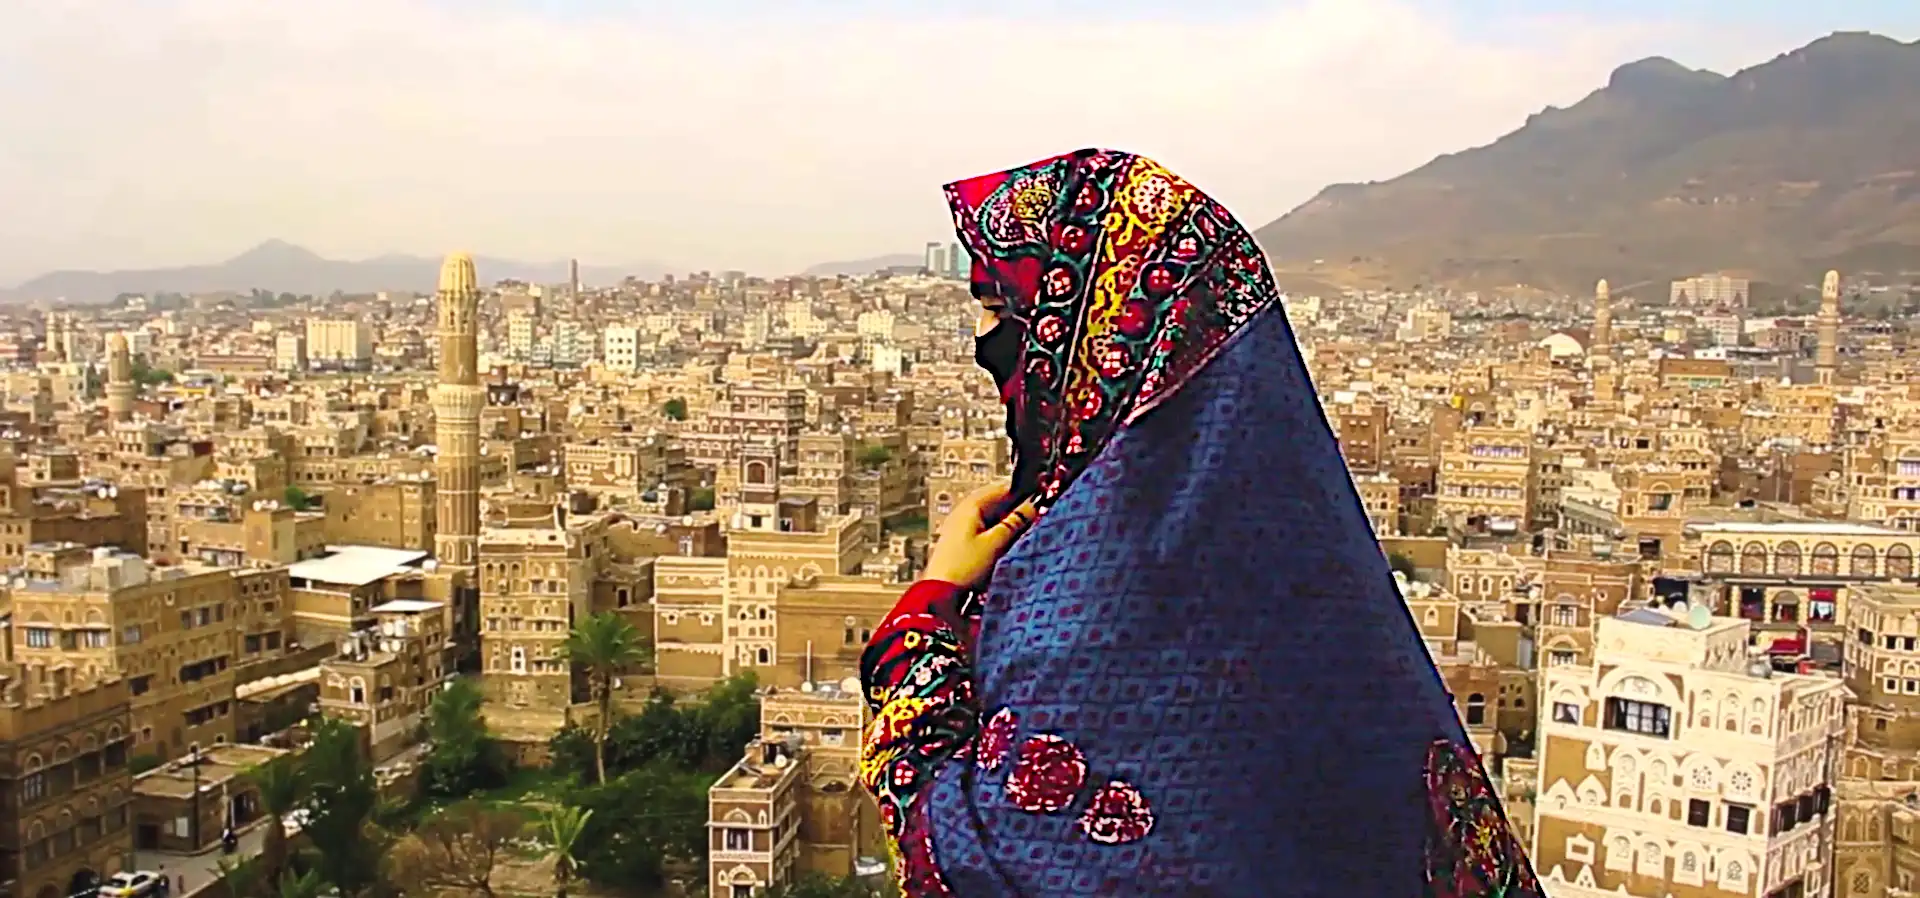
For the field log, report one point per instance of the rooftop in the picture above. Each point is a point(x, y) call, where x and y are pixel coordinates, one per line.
point(405, 606)
point(357, 565)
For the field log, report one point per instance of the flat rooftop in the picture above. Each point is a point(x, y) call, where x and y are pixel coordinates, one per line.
point(357, 565)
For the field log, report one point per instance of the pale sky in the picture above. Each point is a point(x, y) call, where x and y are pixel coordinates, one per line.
point(758, 134)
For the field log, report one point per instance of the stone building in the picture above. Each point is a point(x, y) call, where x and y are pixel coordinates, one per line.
point(384, 677)
point(1792, 579)
point(169, 632)
point(793, 804)
point(65, 825)
point(1676, 763)
point(536, 581)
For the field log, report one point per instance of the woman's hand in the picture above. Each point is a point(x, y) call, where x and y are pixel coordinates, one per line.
point(966, 548)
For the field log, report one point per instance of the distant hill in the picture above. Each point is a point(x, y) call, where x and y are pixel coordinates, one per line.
point(281, 267)
point(863, 266)
point(1807, 162)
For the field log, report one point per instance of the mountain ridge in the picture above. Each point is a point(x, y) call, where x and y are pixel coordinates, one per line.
point(278, 266)
point(1802, 162)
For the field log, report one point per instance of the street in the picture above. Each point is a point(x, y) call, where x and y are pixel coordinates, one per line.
point(199, 869)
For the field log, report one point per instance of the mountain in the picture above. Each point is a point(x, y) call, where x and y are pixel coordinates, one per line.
point(863, 266)
point(281, 267)
point(1803, 163)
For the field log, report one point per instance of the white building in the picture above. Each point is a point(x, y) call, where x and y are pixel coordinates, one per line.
point(1674, 765)
point(620, 348)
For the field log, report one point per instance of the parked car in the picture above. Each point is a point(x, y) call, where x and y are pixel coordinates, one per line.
point(138, 884)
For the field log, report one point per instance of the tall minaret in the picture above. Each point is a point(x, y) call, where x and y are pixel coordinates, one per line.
point(1602, 321)
point(456, 408)
point(1828, 323)
point(120, 388)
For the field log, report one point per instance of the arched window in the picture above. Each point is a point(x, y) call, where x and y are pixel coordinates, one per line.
point(1720, 558)
point(1786, 559)
point(1900, 562)
point(1753, 559)
point(1864, 563)
point(1826, 560)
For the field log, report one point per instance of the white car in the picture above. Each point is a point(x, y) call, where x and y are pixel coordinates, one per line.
point(137, 884)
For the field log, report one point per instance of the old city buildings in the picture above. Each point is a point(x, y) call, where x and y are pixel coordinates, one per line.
point(217, 515)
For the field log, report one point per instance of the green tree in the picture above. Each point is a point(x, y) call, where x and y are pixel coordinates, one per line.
point(341, 800)
point(308, 884)
point(465, 759)
point(730, 718)
point(818, 885)
point(675, 409)
point(560, 828)
point(282, 785)
point(639, 822)
point(299, 499)
point(1402, 563)
point(874, 455)
point(701, 499)
point(149, 376)
point(457, 850)
point(244, 878)
point(604, 645)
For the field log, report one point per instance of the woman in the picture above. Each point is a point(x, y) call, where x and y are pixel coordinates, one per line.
point(1191, 674)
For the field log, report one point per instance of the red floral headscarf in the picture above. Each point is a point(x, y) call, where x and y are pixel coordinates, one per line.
point(1130, 281)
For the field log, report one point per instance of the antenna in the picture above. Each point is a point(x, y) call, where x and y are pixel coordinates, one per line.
point(1699, 617)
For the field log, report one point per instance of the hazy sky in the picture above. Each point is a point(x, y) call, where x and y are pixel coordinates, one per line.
point(758, 134)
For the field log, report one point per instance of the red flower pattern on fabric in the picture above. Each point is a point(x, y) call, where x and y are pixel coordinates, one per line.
point(996, 738)
point(1047, 775)
point(1471, 852)
point(1117, 814)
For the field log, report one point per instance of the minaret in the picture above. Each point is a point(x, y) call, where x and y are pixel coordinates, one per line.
point(58, 324)
point(1828, 323)
point(456, 408)
point(1602, 321)
point(120, 388)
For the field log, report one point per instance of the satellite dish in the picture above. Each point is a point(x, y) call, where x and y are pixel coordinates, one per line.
point(1699, 617)
point(850, 685)
point(806, 687)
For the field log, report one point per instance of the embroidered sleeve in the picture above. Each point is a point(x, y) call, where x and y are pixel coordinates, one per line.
point(918, 675)
point(1471, 852)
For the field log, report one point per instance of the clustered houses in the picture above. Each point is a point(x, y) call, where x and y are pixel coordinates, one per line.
point(1661, 548)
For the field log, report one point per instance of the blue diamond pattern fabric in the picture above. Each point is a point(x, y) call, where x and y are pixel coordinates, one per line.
point(1204, 615)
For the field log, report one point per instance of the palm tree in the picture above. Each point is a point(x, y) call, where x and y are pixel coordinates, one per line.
point(604, 645)
point(306, 885)
point(242, 877)
point(561, 827)
point(283, 786)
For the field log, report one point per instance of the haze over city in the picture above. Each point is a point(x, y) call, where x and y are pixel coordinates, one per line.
point(749, 135)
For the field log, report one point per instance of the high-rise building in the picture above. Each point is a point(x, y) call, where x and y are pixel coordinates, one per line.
point(1711, 291)
point(342, 343)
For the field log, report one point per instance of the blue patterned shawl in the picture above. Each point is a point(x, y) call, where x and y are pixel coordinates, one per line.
point(1195, 675)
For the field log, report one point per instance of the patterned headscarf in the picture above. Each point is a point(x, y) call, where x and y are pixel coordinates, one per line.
point(1129, 279)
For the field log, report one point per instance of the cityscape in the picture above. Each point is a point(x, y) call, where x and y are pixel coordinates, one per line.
point(346, 578)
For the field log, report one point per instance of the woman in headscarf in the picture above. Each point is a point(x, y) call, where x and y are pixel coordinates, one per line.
point(1190, 673)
